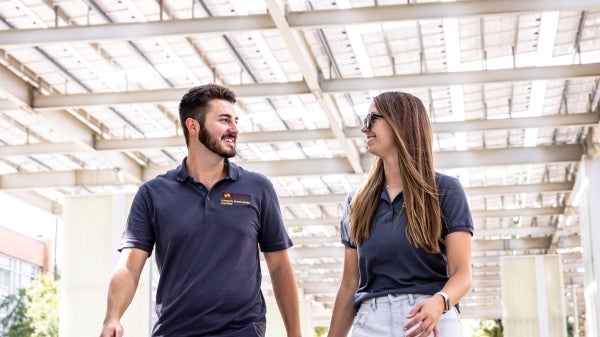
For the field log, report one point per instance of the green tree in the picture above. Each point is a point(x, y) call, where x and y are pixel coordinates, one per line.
point(572, 322)
point(570, 327)
point(489, 328)
point(32, 311)
point(15, 322)
point(320, 331)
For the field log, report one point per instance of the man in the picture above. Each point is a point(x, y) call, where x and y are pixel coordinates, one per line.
point(206, 220)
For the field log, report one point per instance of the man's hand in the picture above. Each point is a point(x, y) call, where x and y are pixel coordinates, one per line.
point(112, 328)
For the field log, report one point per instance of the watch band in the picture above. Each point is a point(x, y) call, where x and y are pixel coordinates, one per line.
point(447, 301)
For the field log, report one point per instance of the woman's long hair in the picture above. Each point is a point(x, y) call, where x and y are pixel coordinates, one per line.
point(409, 121)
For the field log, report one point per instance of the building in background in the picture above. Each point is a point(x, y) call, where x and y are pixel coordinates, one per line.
point(22, 259)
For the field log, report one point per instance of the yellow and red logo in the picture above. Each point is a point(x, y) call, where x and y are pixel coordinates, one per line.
point(228, 198)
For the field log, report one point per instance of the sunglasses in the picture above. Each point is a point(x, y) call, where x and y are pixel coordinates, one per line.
point(370, 119)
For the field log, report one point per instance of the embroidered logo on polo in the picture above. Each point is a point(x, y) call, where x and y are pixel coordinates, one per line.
point(235, 199)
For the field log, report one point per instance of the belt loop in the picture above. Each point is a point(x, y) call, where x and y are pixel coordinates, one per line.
point(411, 299)
point(374, 304)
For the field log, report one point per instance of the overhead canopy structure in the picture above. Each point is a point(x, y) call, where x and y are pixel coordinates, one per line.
point(89, 92)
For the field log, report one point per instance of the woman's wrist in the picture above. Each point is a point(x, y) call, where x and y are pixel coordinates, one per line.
point(447, 300)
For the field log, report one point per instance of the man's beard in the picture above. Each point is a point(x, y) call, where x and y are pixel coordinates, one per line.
point(213, 143)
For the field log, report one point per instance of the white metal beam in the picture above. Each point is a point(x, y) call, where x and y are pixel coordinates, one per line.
point(500, 213)
point(61, 179)
point(297, 46)
point(86, 100)
point(110, 177)
point(217, 25)
point(52, 102)
point(444, 160)
point(460, 78)
point(509, 156)
point(479, 234)
point(37, 200)
point(138, 144)
point(303, 19)
point(430, 11)
point(499, 245)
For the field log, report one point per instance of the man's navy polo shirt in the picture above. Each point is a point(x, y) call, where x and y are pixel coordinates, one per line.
point(388, 262)
point(207, 248)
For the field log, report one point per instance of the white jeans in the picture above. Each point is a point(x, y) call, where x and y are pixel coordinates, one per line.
point(386, 316)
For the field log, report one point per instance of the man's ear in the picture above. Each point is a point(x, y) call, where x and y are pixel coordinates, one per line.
point(193, 126)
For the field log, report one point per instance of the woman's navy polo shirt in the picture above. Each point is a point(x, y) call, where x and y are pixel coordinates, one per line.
point(388, 262)
point(207, 248)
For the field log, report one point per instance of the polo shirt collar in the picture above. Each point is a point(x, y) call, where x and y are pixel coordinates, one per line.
point(181, 173)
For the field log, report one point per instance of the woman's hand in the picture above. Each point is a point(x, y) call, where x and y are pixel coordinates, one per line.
point(424, 317)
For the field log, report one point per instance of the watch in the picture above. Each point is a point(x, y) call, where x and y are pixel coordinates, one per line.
point(447, 302)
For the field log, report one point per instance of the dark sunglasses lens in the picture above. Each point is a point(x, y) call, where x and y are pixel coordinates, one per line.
point(367, 122)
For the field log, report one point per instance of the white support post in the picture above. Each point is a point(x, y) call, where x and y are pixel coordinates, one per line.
point(92, 226)
point(533, 301)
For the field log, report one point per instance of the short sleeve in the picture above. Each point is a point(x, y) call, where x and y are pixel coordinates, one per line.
point(139, 232)
point(273, 235)
point(456, 214)
point(345, 222)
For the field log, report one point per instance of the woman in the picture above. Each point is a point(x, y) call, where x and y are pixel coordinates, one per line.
point(407, 233)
